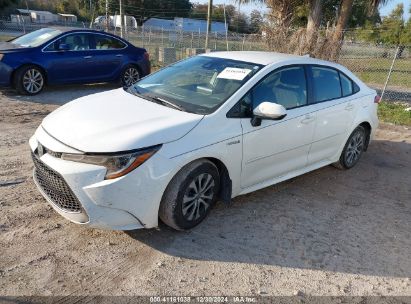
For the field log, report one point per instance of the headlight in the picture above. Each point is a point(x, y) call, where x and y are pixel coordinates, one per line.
point(1, 56)
point(117, 164)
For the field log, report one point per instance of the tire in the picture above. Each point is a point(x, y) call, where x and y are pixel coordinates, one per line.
point(353, 149)
point(183, 208)
point(29, 80)
point(130, 75)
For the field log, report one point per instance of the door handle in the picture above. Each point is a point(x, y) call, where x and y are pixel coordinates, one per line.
point(308, 118)
point(88, 57)
point(119, 55)
point(349, 107)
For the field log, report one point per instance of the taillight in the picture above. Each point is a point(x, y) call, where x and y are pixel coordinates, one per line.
point(377, 99)
point(146, 56)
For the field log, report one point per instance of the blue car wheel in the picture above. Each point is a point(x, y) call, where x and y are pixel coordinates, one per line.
point(29, 80)
point(130, 75)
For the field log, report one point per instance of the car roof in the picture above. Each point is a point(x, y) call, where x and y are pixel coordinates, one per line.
point(64, 29)
point(264, 58)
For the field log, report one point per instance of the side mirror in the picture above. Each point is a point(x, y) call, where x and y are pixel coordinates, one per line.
point(268, 110)
point(64, 47)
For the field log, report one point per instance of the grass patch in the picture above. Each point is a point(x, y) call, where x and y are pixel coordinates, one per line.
point(375, 70)
point(394, 113)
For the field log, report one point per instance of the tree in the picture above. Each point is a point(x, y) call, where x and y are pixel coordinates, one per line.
point(313, 25)
point(392, 26)
point(345, 10)
point(256, 21)
point(6, 3)
point(406, 37)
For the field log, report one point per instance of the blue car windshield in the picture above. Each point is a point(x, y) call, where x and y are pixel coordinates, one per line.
point(36, 38)
point(198, 85)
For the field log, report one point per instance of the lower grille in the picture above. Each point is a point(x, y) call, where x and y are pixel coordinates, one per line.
point(55, 187)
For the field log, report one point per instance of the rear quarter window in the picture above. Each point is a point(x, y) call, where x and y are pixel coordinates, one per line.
point(104, 42)
point(348, 86)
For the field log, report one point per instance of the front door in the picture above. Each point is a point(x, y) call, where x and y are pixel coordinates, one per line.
point(276, 148)
point(72, 65)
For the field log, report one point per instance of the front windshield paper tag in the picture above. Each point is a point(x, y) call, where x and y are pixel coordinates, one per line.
point(234, 73)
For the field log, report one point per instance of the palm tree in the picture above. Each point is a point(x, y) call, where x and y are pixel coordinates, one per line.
point(313, 24)
point(342, 20)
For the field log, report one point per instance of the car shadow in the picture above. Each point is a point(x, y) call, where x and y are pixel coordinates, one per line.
point(338, 221)
point(59, 95)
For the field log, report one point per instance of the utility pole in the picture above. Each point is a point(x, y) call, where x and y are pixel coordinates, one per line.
point(122, 19)
point(238, 16)
point(209, 17)
point(28, 11)
point(106, 15)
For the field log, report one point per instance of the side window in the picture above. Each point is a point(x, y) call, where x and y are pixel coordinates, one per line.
point(76, 42)
point(346, 85)
point(52, 47)
point(104, 42)
point(286, 87)
point(326, 83)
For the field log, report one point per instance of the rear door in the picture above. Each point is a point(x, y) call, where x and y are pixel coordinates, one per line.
point(335, 106)
point(108, 56)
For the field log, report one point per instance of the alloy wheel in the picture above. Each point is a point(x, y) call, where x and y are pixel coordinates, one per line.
point(198, 197)
point(131, 76)
point(33, 81)
point(355, 148)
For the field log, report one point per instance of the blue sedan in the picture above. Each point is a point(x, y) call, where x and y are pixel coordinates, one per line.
point(51, 56)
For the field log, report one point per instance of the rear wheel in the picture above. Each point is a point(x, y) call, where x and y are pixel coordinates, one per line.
point(130, 76)
point(353, 149)
point(29, 80)
point(190, 195)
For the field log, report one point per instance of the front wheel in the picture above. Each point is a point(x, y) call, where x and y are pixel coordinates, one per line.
point(353, 149)
point(130, 76)
point(190, 195)
point(29, 80)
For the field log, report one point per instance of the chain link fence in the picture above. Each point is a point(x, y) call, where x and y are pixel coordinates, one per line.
point(384, 68)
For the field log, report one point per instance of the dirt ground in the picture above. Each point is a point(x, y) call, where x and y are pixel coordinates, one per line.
point(328, 232)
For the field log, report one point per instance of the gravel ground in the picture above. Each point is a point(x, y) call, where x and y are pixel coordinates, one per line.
point(328, 232)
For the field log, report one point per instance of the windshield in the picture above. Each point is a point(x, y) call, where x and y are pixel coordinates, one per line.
point(36, 38)
point(198, 85)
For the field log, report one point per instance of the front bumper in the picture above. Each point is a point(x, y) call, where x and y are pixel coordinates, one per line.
point(126, 203)
point(5, 74)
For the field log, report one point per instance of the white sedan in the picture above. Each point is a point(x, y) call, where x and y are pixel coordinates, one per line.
point(207, 128)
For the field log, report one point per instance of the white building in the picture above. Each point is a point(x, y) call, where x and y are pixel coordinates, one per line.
point(35, 16)
point(67, 18)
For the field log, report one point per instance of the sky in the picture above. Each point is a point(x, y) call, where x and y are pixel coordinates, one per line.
point(384, 11)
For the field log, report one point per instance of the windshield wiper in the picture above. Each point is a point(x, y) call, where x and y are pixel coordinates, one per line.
point(166, 102)
point(133, 90)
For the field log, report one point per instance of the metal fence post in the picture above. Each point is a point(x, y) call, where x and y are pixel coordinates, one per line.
point(242, 46)
point(142, 34)
point(389, 72)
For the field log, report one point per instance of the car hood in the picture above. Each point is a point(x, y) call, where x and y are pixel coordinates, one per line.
point(116, 121)
point(7, 47)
